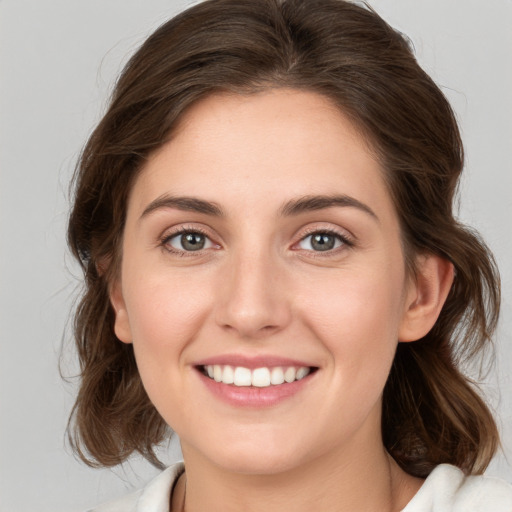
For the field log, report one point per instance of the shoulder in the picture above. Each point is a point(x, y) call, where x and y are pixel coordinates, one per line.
point(153, 497)
point(447, 489)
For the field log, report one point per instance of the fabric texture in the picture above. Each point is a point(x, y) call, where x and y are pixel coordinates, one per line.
point(446, 489)
point(154, 497)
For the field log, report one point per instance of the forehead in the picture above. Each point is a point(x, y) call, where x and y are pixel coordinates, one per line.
point(246, 149)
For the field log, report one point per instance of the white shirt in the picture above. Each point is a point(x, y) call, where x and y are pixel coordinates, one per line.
point(446, 489)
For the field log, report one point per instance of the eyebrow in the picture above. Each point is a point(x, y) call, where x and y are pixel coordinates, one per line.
point(188, 204)
point(291, 208)
point(312, 203)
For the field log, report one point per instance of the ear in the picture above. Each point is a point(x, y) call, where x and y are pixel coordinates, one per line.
point(426, 296)
point(122, 322)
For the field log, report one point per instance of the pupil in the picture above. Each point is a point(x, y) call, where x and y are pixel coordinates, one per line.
point(192, 241)
point(322, 242)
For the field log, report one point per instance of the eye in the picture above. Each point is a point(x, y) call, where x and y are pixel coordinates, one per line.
point(188, 241)
point(322, 241)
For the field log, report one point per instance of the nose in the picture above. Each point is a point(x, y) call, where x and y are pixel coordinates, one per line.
point(253, 300)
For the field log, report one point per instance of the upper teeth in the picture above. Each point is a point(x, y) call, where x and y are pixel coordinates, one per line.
point(259, 377)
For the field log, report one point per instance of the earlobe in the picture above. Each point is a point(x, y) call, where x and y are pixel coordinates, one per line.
point(426, 296)
point(121, 322)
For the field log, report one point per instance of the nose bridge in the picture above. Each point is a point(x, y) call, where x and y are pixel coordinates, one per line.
point(253, 299)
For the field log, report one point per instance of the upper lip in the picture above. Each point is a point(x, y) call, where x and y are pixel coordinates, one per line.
point(251, 362)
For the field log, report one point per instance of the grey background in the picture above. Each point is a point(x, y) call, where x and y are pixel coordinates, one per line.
point(58, 59)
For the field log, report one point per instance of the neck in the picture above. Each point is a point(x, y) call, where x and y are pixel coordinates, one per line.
point(362, 481)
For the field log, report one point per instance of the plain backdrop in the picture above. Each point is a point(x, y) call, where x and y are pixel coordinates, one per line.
point(59, 59)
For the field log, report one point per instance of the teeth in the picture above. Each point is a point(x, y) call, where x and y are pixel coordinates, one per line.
point(277, 376)
point(301, 373)
point(217, 373)
point(260, 377)
point(228, 375)
point(242, 376)
point(289, 374)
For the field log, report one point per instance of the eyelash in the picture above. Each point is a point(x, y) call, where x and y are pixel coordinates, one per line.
point(164, 242)
point(346, 242)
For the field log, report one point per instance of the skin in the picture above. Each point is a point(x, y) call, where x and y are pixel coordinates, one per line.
point(259, 287)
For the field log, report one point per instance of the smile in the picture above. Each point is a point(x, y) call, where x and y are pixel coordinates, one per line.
point(259, 377)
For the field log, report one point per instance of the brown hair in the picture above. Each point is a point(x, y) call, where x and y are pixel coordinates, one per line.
point(431, 412)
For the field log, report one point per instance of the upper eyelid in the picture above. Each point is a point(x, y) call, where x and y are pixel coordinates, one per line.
point(180, 228)
point(338, 231)
point(332, 231)
point(179, 232)
point(326, 232)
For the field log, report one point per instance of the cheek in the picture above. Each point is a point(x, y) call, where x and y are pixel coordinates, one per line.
point(359, 329)
point(164, 307)
point(357, 316)
point(166, 313)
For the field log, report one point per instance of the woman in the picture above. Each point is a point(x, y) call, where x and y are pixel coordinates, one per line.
point(273, 270)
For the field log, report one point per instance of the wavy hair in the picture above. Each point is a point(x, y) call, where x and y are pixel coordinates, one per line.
point(431, 411)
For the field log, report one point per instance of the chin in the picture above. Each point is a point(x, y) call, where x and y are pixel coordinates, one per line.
point(249, 455)
point(258, 462)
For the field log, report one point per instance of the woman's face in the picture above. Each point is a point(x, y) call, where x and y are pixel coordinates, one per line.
point(261, 244)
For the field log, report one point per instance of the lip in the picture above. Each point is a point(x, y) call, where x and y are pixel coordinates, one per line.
point(250, 396)
point(251, 362)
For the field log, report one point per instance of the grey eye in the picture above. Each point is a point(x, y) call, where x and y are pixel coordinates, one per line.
point(191, 241)
point(320, 242)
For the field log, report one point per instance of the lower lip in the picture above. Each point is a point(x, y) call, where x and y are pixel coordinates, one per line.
point(250, 396)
